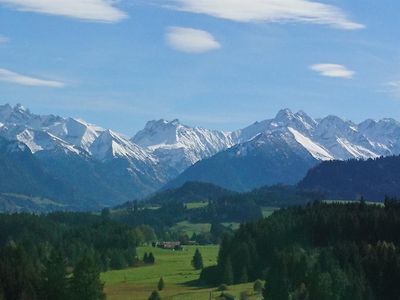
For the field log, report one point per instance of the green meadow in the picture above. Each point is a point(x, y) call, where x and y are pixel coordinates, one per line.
point(179, 276)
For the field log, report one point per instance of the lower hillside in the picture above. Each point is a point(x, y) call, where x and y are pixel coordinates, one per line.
point(372, 179)
point(321, 251)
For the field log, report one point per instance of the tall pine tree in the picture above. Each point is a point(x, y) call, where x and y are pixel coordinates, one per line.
point(85, 283)
point(197, 261)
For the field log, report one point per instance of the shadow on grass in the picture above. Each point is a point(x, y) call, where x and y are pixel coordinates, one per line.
point(196, 285)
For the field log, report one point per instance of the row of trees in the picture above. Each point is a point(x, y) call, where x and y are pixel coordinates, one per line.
point(317, 252)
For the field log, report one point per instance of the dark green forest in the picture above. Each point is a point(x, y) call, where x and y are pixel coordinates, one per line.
point(373, 179)
point(317, 252)
point(60, 255)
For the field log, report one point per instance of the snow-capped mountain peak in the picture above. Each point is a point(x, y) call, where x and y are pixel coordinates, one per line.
point(111, 145)
point(180, 146)
point(76, 132)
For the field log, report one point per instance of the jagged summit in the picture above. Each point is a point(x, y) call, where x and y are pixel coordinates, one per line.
point(180, 146)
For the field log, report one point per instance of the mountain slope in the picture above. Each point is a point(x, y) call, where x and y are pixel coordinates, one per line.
point(372, 179)
point(98, 167)
point(267, 159)
point(280, 150)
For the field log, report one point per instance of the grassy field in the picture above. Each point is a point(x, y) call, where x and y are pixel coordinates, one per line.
point(190, 228)
point(179, 277)
point(195, 205)
point(267, 211)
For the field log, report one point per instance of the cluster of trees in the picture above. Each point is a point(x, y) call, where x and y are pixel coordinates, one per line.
point(149, 258)
point(317, 252)
point(22, 277)
point(62, 253)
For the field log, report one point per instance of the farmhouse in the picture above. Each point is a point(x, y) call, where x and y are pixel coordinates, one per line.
point(170, 245)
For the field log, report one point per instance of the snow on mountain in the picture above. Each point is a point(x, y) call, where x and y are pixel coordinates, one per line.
point(180, 146)
point(76, 132)
point(111, 145)
point(332, 137)
point(384, 134)
point(271, 157)
point(284, 119)
point(45, 132)
point(315, 150)
point(164, 149)
point(36, 140)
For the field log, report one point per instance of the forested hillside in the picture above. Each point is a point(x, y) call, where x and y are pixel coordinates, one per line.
point(320, 251)
point(372, 179)
point(190, 192)
point(60, 256)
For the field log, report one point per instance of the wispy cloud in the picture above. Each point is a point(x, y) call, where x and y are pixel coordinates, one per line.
point(12, 77)
point(392, 87)
point(89, 10)
point(3, 39)
point(333, 70)
point(270, 11)
point(191, 40)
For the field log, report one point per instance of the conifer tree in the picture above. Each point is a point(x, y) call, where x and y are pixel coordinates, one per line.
point(227, 275)
point(85, 283)
point(197, 261)
point(151, 259)
point(161, 284)
point(55, 285)
point(155, 295)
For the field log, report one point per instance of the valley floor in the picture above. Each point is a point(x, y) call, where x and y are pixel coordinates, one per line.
point(177, 272)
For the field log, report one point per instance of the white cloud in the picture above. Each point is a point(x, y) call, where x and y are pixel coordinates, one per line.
point(191, 40)
point(3, 39)
point(270, 11)
point(12, 77)
point(333, 70)
point(89, 10)
point(393, 88)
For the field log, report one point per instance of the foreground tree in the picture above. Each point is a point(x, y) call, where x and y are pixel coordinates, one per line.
point(258, 286)
point(55, 284)
point(151, 259)
point(155, 295)
point(85, 283)
point(197, 261)
point(161, 284)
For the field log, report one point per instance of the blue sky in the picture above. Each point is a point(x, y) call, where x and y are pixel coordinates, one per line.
point(214, 63)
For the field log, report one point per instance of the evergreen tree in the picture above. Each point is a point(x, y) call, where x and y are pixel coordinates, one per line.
point(161, 284)
point(243, 276)
point(55, 285)
point(197, 261)
point(258, 286)
point(117, 260)
point(85, 283)
point(277, 290)
point(151, 259)
point(155, 295)
point(227, 274)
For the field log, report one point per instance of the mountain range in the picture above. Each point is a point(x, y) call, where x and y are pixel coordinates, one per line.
point(86, 166)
